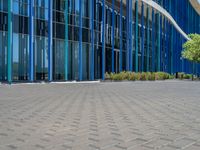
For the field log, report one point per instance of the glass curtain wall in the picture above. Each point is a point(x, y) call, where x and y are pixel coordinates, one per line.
point(86, 39)
point(73, 45)
point(150, 44)
point(59, 39)
point(139, 36)
point(146, 42)
point(113, 44)
point(134, 36)
point(108, 36)
point(4, 5)
point(41, 39)
point(3, 55)
point(124, 33)
point(156, 41)
point(116, 36)
point(150, 40)
point(97, 39)
point(20, 52)
point(3, 39)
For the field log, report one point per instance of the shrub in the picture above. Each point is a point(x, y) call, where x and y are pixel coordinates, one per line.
point(159, 75)
point(107, 76)
point(156, 76)
point(166, 76)
point(111, 76)
point(148, 75)
point(143, 76)
point(132, 76)
point(137, 76)
point(187, 76)
point(162, 76)
point(171, 77)
point(117, 77)
point(181, 75)
point(124, 75)
point(152, 76)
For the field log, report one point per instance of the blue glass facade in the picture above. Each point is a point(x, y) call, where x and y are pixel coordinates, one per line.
point(81, 40)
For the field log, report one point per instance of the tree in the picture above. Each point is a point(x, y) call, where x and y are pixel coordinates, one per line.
point(192, 48)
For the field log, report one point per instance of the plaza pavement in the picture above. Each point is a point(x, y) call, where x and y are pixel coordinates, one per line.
point(162, 115)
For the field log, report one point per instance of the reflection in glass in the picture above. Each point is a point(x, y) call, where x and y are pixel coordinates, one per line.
point(58, 59)
point(20, 57)
point(41, 58)
point(3, 56)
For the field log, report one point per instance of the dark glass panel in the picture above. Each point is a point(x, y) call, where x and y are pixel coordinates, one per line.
point(20, 24)
point(20, 57)
point(3, 55)
point(58, 59)
point(85, 35)
point(59, 5)
point(3, 21)
point(108, 60)
point(76, 33)
point(41, 27)
point(97, 62)
point(70, 34)
point(41, 58)
point(86, 61)
point(85, 8)
point(60, 31)
point(58, 16)
point(73, 60)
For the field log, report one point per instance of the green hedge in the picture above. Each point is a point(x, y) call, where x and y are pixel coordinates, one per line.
point(182, 76)
point(151, 76)
point(132, 76)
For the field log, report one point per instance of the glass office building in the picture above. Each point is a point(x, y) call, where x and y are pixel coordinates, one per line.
point(59, 40)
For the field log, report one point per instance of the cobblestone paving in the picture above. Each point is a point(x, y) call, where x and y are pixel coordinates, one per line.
point(101, 116)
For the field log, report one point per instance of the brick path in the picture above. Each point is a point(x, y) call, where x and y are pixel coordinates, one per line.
point(106, 116)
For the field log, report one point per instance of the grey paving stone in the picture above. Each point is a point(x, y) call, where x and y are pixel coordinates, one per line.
point(182, 143)
point(111, 116)
point(192, 147)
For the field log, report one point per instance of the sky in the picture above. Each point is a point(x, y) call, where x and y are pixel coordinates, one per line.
point(199, 1)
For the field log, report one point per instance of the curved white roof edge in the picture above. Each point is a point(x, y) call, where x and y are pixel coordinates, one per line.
point(196, 5)
point(166, 14)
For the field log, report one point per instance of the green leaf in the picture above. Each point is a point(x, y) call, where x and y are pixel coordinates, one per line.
point(192, 48)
